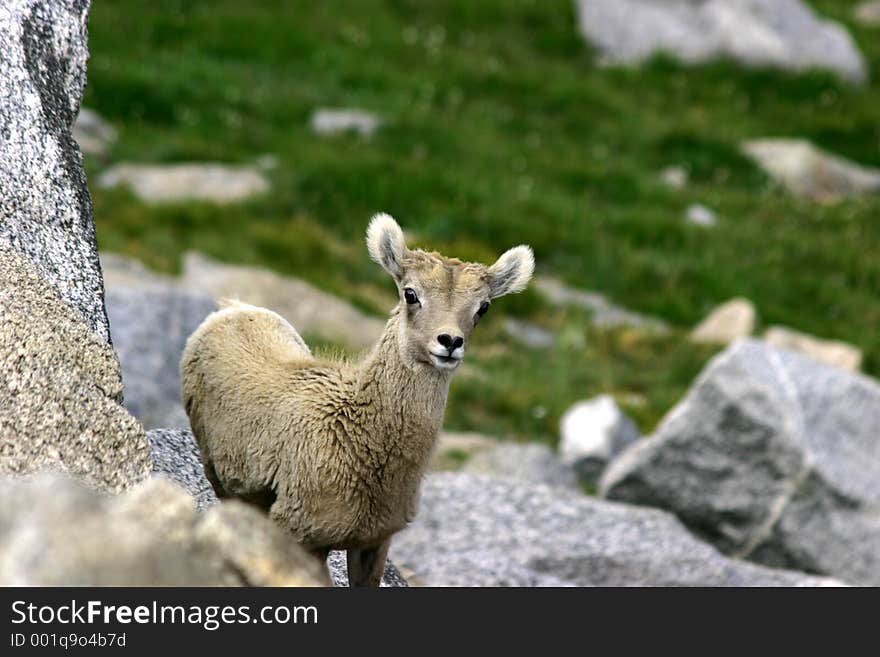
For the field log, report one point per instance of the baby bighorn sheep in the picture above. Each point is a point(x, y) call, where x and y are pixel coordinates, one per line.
point(334, 451)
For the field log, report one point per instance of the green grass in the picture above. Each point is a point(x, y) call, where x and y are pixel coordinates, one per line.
point(500, 129)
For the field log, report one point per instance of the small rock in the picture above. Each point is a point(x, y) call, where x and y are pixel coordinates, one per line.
point(771, 456)
point(306, 307)
point(700, 215)
point(729, 321)
point(832, 352)
point(53, 532)
point(868, 13)
point(529, 334)
point(783, 33)
point(605, 314)
point(807, 171)
point(592, 433)
point(333, 121)
point(675, 177)
point(454, 448)
point(93, 134)
point(529, 464)
point(484, 531)
point(170, 183)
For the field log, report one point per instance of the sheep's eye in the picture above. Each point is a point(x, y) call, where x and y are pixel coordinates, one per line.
point(409, 295)
point(483, 309)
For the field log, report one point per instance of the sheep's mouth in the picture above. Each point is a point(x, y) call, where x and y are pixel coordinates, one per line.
point(445, 362)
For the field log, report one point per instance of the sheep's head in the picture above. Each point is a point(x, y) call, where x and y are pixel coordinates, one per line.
point(442, 299)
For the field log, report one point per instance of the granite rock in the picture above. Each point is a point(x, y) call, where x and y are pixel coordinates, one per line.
point(771, 456)
point(482, 531)
point(60, 388)
point(45, 206)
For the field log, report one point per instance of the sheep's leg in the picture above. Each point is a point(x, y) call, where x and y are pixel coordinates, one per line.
point(365, 567)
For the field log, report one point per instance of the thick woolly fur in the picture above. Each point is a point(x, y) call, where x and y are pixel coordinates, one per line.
point(333, 450)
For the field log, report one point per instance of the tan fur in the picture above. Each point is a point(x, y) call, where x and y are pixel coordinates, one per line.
point(335, 451)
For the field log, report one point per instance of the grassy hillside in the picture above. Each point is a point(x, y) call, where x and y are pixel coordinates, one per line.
point(500, 129)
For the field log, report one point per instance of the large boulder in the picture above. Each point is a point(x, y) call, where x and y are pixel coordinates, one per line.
point(176, 456)
point(45, 207)
point(783, 33)
point(151, 319)
point(481, 531)
point(60, 388)
point(771, 456)
point(54, 532)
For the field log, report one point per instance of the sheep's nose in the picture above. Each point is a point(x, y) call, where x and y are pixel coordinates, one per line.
point(449, 342)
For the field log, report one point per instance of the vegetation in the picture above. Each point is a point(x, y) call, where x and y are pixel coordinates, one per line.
point(500, 128)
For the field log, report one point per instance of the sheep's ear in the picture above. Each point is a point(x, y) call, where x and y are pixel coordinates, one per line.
point(512, 272)
point(386, 244)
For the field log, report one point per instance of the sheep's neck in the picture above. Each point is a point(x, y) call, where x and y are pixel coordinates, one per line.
point(412, 396)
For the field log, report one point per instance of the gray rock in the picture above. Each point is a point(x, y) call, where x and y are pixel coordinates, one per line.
point(309, 309)
point(60, 388)
point(150, 327)
point(333, 121)
point(53, 532)
point(93, 134)
point(808, 171)
point(592, 433)
point(528, 464)
point(700, 215)
point(605, 313)
point(45, 207)
point(771, 456)
point(176, 457)
point(481, 531)
point(783, 33)
point(529, 334)
point(192, 181)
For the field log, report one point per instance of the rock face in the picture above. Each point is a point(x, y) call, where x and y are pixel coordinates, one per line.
point(45, 207)
point(481, 531)
point(808, 171)
point(592, 433)
point(605, 314)
point(333, 121)
point(728, 322)
point(527, 464)
point(176, 457)
point(53, 532)
point(193, 181)
point(781, 33)
point(529, 334)
point(304, 306)
point(60, 388)
point(832, 352)
point(772, 457)
point(150, 328)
